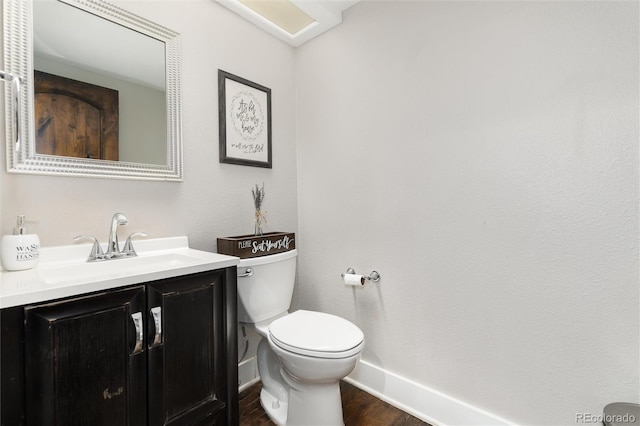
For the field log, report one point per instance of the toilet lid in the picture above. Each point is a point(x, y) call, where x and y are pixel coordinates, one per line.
point(316, 334)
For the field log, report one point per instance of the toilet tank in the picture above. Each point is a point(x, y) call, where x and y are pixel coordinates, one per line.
point(265, 286)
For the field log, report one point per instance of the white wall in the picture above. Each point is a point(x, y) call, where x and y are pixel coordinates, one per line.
point(483, 157)
point(215, 199)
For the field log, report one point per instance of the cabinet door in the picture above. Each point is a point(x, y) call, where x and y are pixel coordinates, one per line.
point(186, 350)
point(85, 360)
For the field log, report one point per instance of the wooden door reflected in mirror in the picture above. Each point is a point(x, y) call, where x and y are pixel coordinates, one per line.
point(75, 119)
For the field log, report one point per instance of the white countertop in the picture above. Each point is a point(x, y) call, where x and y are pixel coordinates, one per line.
point(63, 271)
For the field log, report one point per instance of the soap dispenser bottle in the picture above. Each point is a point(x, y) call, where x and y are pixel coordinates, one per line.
point(21, 250)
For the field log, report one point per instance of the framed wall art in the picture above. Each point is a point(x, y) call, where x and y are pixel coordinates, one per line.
point(245, 121)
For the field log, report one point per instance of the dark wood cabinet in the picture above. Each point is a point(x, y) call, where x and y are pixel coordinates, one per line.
point(82, 364)
point(160, 353)
point(183, 357)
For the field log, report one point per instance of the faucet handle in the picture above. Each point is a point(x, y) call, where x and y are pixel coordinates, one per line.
point(96, 250)
point(128, 249)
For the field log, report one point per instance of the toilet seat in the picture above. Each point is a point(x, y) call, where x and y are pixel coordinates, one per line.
point(316, 334)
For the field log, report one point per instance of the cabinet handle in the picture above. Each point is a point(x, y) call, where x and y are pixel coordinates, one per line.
point(156, 313)
point(137, 322)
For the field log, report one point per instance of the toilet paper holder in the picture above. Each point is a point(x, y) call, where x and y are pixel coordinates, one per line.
point(373, 276)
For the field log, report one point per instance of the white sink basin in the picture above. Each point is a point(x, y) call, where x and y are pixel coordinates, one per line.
point(63, 271)
point(56, 272)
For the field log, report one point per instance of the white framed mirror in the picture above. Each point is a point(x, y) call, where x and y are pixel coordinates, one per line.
point(103, 47)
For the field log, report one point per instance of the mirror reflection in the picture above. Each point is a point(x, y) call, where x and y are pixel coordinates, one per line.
point(99, 87)
point(101, 91)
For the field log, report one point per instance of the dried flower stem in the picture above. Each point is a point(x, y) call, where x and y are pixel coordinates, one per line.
point(258, 198)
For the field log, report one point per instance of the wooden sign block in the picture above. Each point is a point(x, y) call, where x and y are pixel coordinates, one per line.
point(246, 246)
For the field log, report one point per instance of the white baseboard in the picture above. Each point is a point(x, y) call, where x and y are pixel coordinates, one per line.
point(420, 401)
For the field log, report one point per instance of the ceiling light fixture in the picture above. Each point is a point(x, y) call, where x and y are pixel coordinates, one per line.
point(293, 21)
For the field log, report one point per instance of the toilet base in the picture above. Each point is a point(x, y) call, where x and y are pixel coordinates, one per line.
point(312, 404)
point(275, 409)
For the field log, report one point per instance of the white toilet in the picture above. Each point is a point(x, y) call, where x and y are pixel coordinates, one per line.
point(302, 355)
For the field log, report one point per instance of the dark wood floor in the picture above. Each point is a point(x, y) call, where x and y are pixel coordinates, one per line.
point(359, 409)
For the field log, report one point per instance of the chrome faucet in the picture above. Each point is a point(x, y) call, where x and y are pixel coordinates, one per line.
point(113, 248)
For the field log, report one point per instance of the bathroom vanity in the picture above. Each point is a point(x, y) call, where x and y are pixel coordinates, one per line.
point(145, 341)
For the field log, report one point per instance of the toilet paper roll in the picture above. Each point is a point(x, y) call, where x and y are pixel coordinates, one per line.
point(353, 279)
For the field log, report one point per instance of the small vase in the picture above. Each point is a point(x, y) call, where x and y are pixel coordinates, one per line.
point(258, 223)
